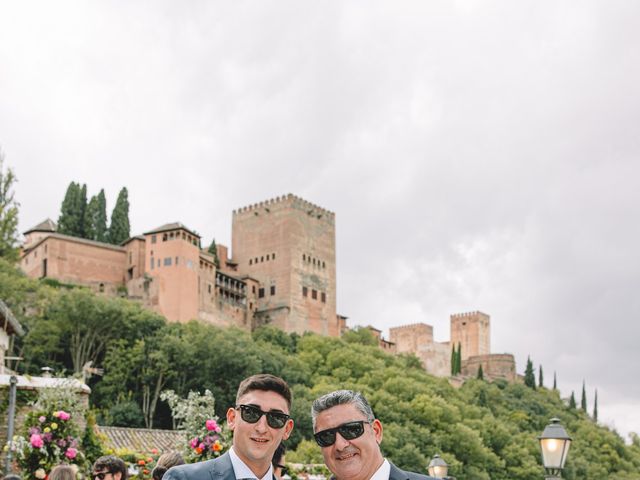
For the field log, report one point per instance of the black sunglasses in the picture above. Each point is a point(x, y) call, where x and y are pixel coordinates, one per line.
point(283, 469)
point(251, 414)
point(100, 475)
point(348, 431)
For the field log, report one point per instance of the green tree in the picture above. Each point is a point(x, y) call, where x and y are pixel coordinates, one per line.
point(572, 401)
point(453, 360)
point(8, 214)
point(213, 250)
point(583, 400)
point(119, 229)
point(480, 375)
point(540, 378)
point(595, 407)
point(95, 219)
point(529, 375)
point(72, 211)
point(555, 383)
point(459, 359)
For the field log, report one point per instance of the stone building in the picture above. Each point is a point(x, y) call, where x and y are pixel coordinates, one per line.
point(282, 270)
point(470, 331)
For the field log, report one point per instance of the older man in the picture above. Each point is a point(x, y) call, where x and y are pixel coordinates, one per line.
point(350, 436)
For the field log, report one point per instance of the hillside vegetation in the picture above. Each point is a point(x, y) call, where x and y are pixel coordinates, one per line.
point(483, 430)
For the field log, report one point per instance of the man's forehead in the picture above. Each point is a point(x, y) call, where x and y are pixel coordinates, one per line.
point(265, 399)
point(334, 416)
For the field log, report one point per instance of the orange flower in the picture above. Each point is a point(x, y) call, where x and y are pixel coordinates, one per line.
point(198, 450)
point(145, 471)
point(217, 447)
point(149, 460)
point(141, 462)
point(154, 451)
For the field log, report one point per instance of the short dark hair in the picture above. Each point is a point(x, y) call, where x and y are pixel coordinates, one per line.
point(267, 383)
point(113, 464)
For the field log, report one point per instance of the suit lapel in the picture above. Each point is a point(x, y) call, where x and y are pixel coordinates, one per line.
point(396, 474)
point(222, 468)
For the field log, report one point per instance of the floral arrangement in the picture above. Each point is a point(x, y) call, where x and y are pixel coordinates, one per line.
point(206, 444)
point(140, 464)
point(51, 440)
point(195, 415)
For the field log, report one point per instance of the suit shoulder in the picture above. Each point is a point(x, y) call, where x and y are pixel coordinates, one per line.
point(397, 474)
point(189, 471)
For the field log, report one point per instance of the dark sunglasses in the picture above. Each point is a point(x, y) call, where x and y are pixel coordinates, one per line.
point(101, 475)
point(251, 414)
point(283, 470)
point(348, 431)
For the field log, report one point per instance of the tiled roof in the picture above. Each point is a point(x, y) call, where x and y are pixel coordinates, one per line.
point(77, 240)
point(27, 382)
point(47, 225)
point(142, 439)
point(171, 226)
point(130, 239)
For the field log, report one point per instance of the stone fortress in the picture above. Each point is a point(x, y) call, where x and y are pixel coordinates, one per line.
point(282, 272)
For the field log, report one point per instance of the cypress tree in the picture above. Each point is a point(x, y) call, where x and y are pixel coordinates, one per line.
point(95, 218)
point(213, 250)
point(81, 207)
point(555, 383)
point(454, 357)
point(100, 220)
point(459, 358)
point(529, 375)
point(595, 407)
point(572, 401)
point(480, 373)
point(119, 228)
point(583, 401)
point(540, 381)
point(70, 221)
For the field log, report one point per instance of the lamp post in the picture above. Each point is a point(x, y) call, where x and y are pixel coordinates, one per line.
point(554, 443)
point(438, 468)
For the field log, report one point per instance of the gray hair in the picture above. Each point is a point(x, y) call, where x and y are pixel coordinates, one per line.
point(341, 397)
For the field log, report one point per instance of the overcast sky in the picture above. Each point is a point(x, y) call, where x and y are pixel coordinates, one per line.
point(478, 155)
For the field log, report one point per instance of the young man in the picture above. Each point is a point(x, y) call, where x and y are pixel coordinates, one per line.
point(350, 436)
point(259, 421)
point(109, 467)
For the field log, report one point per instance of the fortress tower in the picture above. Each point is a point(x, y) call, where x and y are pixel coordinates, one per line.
point(288, 245)
point(472, 331)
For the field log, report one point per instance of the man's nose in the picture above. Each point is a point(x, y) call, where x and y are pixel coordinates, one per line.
point(341, 443)
point(261, 424)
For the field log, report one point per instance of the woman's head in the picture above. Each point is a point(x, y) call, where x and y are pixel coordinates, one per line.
point(165, 462)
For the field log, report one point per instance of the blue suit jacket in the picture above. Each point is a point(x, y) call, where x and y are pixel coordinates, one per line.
point(219, 468)
point(397, 474)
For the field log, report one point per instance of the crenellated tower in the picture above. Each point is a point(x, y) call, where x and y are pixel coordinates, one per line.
point(288, 245)
point(472, 330)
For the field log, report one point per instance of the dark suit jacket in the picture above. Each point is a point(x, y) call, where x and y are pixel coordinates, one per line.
point(397, 474)
point(219, 468)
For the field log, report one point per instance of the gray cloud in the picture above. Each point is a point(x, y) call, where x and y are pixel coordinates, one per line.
point(478, 155)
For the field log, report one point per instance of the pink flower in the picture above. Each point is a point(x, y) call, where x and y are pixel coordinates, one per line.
point(36, 441)
point(211, 425)
point(71, 453)
point(218, 429)
point(194, 442)
point(62, 415)
point(42, 419)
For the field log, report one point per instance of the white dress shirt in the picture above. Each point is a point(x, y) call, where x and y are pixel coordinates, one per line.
point(383, 472)
point(243, 471)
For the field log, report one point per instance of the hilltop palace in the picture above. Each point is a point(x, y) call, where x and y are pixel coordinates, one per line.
point(282, 272)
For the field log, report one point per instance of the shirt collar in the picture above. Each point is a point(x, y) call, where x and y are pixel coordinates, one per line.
point(242, 470)
point(383, 471)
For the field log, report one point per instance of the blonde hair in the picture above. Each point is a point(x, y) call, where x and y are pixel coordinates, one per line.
point(63, 472)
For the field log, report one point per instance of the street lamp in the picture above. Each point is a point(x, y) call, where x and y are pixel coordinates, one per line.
point(555, 443)
point(438, 468)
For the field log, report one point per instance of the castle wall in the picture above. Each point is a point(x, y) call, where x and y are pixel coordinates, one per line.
point(418, 340)
point(135, 253)
point(288, 245)
point(496, 365)
point(173, 260)
point(71, 260)
point(472, 331)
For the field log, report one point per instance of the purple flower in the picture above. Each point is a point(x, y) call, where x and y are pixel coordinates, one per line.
point(47, 437)
point(194, 442)
point(62, 443)
point(42, 419)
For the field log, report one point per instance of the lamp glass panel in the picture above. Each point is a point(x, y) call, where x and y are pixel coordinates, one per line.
point(438, 471)
point(553, 452)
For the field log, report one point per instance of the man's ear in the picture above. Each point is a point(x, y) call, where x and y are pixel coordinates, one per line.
point(288, 428)
point(231, 418)
point(377, 430)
